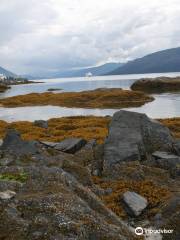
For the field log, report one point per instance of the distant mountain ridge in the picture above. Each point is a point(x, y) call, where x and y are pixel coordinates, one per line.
point(158, 62)
point(7, 73)
point(96, 71)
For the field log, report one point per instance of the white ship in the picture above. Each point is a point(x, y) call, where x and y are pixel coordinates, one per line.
point(89, 74)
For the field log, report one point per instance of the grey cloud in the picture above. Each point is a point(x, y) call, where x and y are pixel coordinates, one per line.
point(43, 36)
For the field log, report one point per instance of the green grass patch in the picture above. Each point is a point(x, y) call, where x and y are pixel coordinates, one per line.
point(18, 177)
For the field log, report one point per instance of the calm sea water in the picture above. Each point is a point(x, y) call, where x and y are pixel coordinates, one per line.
point(165, 105)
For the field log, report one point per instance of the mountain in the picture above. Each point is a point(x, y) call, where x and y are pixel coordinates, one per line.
point(158, 62)
point(6, 72)
point(96, 71)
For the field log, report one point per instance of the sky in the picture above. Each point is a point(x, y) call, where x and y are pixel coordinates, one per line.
point(44, 36)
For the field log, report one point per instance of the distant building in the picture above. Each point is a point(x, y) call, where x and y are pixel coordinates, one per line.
point(2, 77)
point(89, 74)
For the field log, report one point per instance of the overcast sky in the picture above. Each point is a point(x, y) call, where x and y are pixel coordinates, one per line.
point(46, 35)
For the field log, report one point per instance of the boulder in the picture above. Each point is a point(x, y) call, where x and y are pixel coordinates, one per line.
point(135, 203)
point(13, 144)
point(71, 145)
point(6, 195)
point(41, 123)
point(133, 136)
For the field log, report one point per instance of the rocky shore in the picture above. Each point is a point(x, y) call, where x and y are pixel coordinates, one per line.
point(79, 189)
point(157, 85)
point(3, 88)
point(6, 83)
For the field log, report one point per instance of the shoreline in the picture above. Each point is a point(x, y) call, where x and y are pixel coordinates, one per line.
point(6, 86)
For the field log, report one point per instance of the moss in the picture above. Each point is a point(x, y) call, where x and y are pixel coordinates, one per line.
point(155, 195)
point(99, 98)
point(89, 127)
point(19, 177)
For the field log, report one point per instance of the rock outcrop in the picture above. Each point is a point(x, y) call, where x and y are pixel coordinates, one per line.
point(133, 136)
point(157, 85)
point(50, 193)
point(49, 196)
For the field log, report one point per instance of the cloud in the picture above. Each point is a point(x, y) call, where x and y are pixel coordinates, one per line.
point(47, 35)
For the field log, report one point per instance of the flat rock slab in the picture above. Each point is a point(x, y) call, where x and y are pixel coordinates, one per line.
point(164, 155)
point(167, 161)
point(135, 203)
point(71, 145)
point(49, 144)
point(6, 195)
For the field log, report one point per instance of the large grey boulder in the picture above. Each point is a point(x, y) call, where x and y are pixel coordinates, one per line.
point(135, 203)
point(133, 136)
point(71, 145)
point(13, 144)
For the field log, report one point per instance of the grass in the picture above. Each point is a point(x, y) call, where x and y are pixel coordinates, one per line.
point(99, 98)
point(87, 127)
point(19, 177)
point(155, 195)
point(173, 124)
